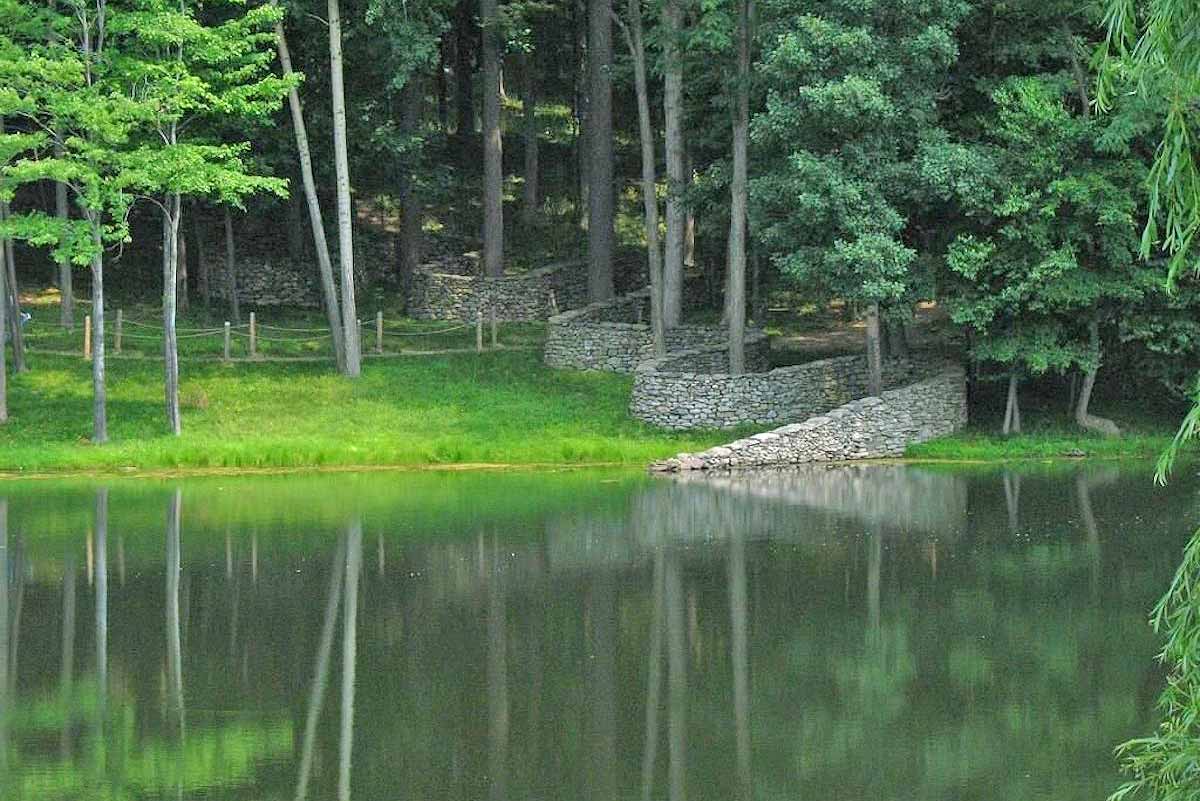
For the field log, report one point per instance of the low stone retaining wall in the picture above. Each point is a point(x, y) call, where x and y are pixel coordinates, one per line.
point(615, 336)
point(692, 390)
point(868, 428)
point(457, 291)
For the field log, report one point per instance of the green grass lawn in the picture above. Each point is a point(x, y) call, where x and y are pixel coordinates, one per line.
point(498, 407)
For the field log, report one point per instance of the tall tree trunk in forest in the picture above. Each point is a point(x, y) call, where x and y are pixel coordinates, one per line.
point(637, 50)
point(3, 344)
point(1083, 416)
point(201, 257)
point(600, 194)
point(99, 384)
point(411, 208)
point(66, 292)
point(672, 23)
point(350, 340)
point(532, 204)
point(464, 100)
point(582, 149)
point(231, 282)
point(440, 88)
point(689, 214)
point(493, 166)
point(874, 351)
point(1012, 406)
point(13, 299)
point(315, 218)
point(739, 197)
point(172, 210)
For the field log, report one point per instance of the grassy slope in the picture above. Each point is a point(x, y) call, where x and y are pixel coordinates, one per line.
point(498, 407)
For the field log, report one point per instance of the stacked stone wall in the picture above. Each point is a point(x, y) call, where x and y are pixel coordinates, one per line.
point(867, 428)
point(460, 293)
point(615, 336)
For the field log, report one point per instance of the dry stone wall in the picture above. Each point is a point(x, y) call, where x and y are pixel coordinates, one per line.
point(615, 336)
point(867, 428)
point(454, 290)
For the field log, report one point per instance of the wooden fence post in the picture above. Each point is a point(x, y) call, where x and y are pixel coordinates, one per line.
point(495, 335)
point(87, 337)
point(253, 336)
point(479, 331)
point(379, 332)
point(117, 333)
point(227, 342)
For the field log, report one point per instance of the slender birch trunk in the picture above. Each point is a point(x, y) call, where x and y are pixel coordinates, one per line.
point(173, 210)
point(493, 178)
point(12, 299)
point(672, 20)
point(66, 292)
point(874, 351)
point(531, 204)
point(1012, 408)
point(1083, 415)
point(350, 340)
point(99, 383)
point(315, 218)
point(411, 208)
point(3, 343)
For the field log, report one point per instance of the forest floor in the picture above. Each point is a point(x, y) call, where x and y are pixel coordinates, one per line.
point(430, 399)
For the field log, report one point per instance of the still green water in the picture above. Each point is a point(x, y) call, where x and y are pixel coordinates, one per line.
point(885, 632)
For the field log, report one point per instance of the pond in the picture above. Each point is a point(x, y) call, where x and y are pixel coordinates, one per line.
point(872, 632)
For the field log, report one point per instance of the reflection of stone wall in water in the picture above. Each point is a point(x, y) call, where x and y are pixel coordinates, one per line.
point(804, 503)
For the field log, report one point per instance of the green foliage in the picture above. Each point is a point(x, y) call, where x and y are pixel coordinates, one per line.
point(851, 94)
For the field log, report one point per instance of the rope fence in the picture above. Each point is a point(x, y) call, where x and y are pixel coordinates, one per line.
point(250, 336)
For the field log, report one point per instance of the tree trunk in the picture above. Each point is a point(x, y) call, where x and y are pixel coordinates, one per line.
point(464, 101)
point(66, 308)
point(316, 220)
point(874, 354)
point(600, 193)
point(443, 99)
point(689, 214)
point(493, 177)
point(1012, 408)
point(201, 257)
point(171, 219)
point(1087, 420)
point(3, 340)
point(582, 150)
point(532, 204)
point(231, 282)
point(739, 196)
point(16, 332)
point(672, 23)
point(411, 210)
point(350, 340)
point(637, 50)
point(99, 385)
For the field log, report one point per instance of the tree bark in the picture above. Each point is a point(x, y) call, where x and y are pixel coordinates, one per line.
point(3, 339)
point(350, 340)
point(231, 282)
point(600, 193)
point(316, 220)
point(1012, 408)
point(99, 384)
point(464, 100)
point(1087, 420)
point(582, 149)
point(66, 292)
point(874, 353)
point(13, 299)
point(739, 197)
point(672, 22)
point(532, 203)
point(493, 177)
point(171, 218)
point(637, 50)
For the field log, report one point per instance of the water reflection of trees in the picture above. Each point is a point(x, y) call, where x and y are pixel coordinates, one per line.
point(693, 641)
